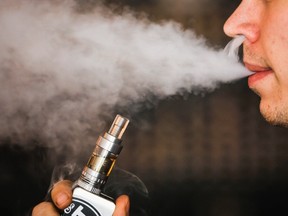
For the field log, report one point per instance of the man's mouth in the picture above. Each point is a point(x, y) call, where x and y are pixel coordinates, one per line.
point(259, 73)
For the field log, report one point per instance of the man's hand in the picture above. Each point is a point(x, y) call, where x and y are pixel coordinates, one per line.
point(61, 195)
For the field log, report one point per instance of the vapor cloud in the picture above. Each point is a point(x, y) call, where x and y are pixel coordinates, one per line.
point(61, 71)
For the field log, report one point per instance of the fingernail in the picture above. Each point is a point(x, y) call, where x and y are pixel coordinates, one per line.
point(61, 199)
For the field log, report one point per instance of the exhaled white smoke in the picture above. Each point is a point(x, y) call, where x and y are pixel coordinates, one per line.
point(61, 70)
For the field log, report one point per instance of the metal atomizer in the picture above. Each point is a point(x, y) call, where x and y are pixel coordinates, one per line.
point(88, 199)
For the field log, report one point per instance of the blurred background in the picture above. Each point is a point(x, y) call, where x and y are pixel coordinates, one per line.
point(200, 155)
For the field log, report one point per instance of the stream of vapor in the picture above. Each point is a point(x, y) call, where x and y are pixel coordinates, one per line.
point(61, 70)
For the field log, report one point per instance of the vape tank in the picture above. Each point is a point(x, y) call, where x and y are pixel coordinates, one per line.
point(88, 199)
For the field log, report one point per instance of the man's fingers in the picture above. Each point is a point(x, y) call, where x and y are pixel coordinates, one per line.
point(61, 194)
point(45, 209)
point(122, 206)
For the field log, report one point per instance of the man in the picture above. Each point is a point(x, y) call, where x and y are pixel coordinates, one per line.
point(263, 23)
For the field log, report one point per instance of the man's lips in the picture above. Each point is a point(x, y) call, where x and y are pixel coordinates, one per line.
point(256, 68)
point(259, 73)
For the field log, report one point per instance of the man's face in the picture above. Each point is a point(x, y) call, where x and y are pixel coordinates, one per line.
point(264, 23)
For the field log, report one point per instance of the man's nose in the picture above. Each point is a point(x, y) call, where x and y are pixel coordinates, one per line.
point(244, 21)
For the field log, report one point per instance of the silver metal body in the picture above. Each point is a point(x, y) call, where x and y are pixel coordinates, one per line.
point(102, 160)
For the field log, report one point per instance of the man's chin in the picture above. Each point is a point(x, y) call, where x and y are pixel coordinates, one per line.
point(273, 115)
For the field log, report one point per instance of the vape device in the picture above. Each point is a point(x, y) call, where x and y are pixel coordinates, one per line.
point(88, 199)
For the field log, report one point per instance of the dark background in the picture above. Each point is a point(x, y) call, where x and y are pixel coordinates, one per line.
point(207, 155)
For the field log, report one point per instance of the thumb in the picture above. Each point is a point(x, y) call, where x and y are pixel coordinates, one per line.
point(61, 194)
point(122, 206)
